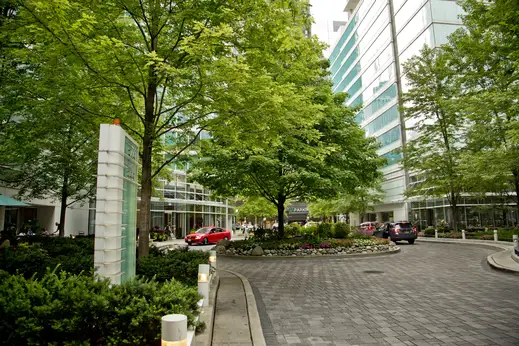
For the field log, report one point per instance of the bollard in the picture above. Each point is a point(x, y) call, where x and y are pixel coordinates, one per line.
point(212, 259)
point(463, 234)
point(516, 244)
point(436, 233)
point(203, 282)
point(495, 235)
point(174, 330)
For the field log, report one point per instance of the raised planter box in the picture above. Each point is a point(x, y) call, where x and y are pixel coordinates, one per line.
point(339, 251)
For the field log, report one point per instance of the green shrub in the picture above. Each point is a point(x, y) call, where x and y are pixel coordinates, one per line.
point(158, 236)
point(64, 309)
point(292, 229)
point(29, 260)
point(341, 230)
point(182, 265)
point(429, 232)
point(324, 229)
point(26, 260)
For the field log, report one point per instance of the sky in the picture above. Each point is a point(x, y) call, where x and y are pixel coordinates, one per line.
point(324, 13)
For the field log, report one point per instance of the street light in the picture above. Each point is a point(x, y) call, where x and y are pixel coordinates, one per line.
point(212, 258)
point(203, 282)
point(174, 330)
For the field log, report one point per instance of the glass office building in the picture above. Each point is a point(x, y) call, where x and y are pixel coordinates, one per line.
point(366, 63)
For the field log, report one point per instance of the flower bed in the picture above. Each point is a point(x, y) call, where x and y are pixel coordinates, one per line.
point(302, 247)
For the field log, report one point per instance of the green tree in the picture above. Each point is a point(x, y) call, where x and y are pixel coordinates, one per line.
point(485, 54)
point(256, 207)
point(359, 201)
point(300, 142)
point(163, 67)
point(435, 155)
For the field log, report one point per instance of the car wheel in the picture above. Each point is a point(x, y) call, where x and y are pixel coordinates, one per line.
point(225, 238)
point(205, 242)
point(411, 241)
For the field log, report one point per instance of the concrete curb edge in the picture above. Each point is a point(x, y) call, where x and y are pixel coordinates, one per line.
point(207, 315)
point(267, 258)
point(492, 262)
point(490, 258)
point(256, 331)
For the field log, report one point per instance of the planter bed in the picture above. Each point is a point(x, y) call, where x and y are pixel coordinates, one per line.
point(339, 251)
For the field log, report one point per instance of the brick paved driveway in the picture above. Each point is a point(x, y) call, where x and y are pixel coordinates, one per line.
point(429, 294)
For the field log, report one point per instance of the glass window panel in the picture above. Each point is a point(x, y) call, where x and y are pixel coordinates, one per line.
point(393, 157)
point(389, 95)
point(442, 31)
point(383, 120)
point(446, 11)
point(426, 38)
point(406, 12)
point(414, 27)
point(389, 137)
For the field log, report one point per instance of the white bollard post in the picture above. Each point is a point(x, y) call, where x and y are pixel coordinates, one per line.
point(436, 233)
point(516, 244)
point(495, 235)
point(174, 330)
point(463, 234)
point(203, 282)
point(212, 259)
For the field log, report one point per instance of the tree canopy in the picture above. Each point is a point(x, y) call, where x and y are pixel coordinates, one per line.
point(302, 144)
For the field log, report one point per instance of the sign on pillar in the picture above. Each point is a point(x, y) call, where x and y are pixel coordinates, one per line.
point(116, 205)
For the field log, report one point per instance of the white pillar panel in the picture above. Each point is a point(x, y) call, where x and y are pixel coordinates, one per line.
point(116, 205)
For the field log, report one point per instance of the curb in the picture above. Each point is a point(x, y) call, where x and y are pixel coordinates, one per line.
point(490, 258)
point(359, 255)
point(207, 316)
point(256, 331)
point(492, 262)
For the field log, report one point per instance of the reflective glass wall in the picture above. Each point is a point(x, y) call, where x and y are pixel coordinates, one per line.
point(363, 65)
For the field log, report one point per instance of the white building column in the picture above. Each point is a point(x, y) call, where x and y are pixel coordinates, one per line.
point(227, 214)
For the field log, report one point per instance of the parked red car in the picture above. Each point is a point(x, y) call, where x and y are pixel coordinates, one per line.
point(206, 235)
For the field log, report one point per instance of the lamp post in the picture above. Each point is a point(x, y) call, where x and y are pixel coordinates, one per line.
point(463, 234)
point(203, 282)
point(495, 235)
point(174, 330)
point(436, 233)
point(212, 259)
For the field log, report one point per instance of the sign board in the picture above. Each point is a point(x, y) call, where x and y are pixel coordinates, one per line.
point(116, 205)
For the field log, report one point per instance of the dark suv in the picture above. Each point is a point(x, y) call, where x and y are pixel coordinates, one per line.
point(396, 231)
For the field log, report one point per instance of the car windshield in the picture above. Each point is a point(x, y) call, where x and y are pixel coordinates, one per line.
point(401, 225)
point(203, 230)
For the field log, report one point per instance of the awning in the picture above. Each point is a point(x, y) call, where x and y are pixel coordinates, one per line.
point(11, 202)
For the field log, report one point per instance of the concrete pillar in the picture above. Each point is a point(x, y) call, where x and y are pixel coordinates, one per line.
point(516, 244)
point(495, 235)
point(379, 217)
point(463, 234)
point(174, 330)
point(436, 233)
point(227, 214)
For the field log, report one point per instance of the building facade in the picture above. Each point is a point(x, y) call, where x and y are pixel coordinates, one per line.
point(366, 63)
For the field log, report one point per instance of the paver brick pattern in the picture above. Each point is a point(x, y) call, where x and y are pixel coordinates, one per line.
point(429, 294)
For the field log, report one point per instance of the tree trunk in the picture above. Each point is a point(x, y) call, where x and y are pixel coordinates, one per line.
point(516, 185)
point(63, 207)
point(455, 212)
point(147, 149)
point(146, 191)
point(281, 216)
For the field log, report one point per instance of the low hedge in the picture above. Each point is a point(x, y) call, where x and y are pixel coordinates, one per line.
point(181, 264)
point(341, 230)
point(65, 309)
point(293, 244)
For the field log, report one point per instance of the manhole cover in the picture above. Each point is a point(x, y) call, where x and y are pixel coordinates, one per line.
point(373, 272)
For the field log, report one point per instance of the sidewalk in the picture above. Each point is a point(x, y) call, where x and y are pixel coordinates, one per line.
point(501, 260)
point(231, 321)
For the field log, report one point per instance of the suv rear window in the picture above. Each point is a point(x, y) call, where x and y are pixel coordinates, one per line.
point(402, 225)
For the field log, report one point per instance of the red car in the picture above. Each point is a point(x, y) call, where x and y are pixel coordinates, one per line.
point(206, 235)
